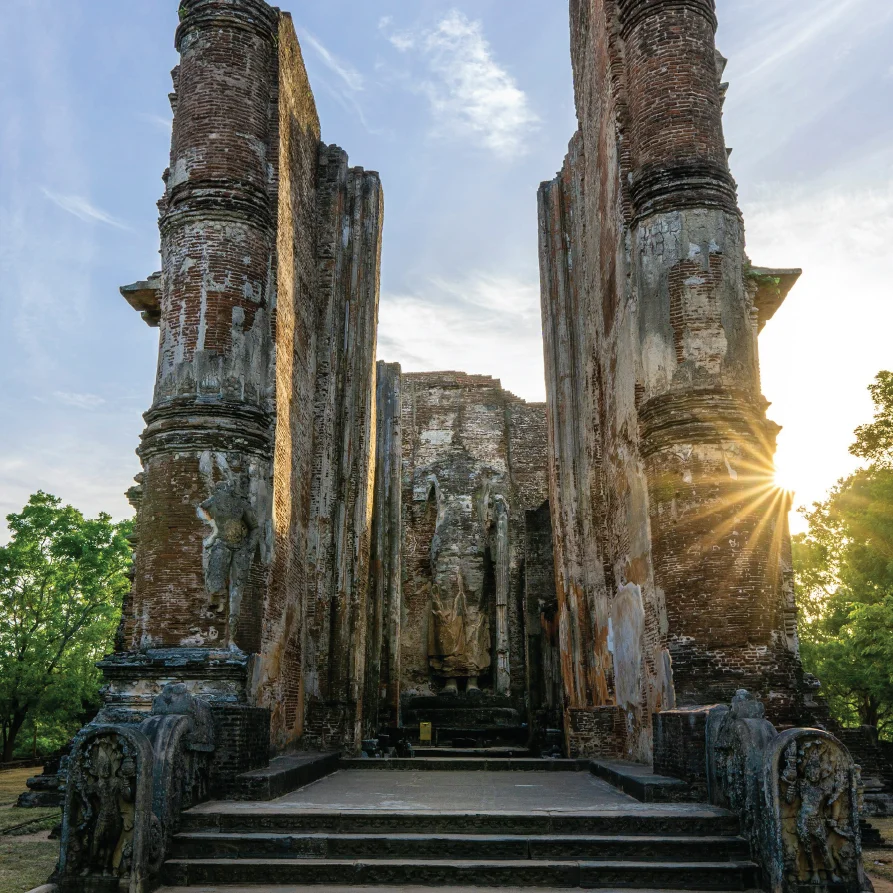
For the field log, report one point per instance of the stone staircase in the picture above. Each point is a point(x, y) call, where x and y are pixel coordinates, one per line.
point(615, 845)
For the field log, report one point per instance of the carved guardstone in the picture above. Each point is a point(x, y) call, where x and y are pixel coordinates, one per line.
point(127, 785)
point(796, 795)
point(811, 786)
point(110, 836)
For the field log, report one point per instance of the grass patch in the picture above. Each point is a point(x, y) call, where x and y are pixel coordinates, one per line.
point(879, 863)
point(885, 826)
point(25, 865)
point(12, 783)
point(37, 819)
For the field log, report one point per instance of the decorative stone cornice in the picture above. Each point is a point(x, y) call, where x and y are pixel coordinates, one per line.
point(705, 416)
point(248, 15)
point(190, 425)
point(216, 200)
point(134, 678)
point(699, 183)
point(768, 288)
point(633, 12)
point(145, 298)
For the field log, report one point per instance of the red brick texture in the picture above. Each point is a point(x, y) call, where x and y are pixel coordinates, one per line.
point(212, 415)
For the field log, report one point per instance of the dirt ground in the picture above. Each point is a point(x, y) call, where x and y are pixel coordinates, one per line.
point(879, 862)
point(27, 855)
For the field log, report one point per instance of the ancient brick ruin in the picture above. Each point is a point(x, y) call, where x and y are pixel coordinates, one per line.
point(457, 638)
point(672, 549)
point(333, 556)
point(254, 503)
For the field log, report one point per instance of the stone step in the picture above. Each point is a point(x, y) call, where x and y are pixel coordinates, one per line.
point(555, 848)
point(440, 873)
point(391, 888)
point(652, 822)
point(465, 717)
point(463, 701)
point(284, 774)
point(483, 735)
point(511, 753)
point(641, 782)
point(467, 763)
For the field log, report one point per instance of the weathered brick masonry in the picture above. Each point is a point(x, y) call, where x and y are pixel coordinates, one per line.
point(461, 468)
point(252, 541)
point(385, 604)
point(671, 539)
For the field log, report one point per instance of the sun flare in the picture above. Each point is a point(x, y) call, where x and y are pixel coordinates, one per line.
point(787, 473)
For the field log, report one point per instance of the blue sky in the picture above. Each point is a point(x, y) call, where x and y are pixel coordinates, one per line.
point(464, 106)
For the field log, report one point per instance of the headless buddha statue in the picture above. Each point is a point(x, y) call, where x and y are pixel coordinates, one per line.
point(459, 631)
point(459, 640)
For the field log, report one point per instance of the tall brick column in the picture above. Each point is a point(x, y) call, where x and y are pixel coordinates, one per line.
point(204, 524)
point(718, 524)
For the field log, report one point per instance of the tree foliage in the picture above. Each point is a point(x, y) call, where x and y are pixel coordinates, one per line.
point(844, 568)
point(62, 581)
point(875, 441)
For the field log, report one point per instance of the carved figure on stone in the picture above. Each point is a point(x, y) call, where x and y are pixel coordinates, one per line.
point(459, 633)
point(817, 835)
point(105, 801)
point(459, 644)
point(229, 548)
point(795, 793)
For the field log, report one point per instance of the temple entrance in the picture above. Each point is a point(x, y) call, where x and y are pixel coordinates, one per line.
point(474, 586)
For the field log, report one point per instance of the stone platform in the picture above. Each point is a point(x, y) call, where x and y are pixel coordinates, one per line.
point(466, 763)
point(464, 790)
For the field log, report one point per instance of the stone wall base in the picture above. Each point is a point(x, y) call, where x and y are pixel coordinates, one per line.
point(596, 732)
point(680, 745)
point(242, 736)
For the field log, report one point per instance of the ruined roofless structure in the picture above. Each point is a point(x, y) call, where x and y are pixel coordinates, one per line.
point(333, 556)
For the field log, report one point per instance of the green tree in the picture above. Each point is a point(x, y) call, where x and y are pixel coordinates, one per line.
point(875, 441)
point(62, 581)
point(844, 568)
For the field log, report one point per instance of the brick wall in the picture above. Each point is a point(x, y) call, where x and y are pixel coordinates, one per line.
point(242, 743)
point(279, 676)
point(385, 601)
point(311, 670)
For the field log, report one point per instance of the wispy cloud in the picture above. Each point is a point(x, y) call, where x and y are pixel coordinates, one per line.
point(802, 28)
point(469, 92)
point(482, 323)
point(158, 121)
point(83, 209)
point(799, 65)
point(79, 401)
point(347, 84)
point(351, 78)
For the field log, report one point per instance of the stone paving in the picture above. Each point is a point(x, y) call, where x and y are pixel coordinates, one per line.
point(402, 889)
point(457, 791)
